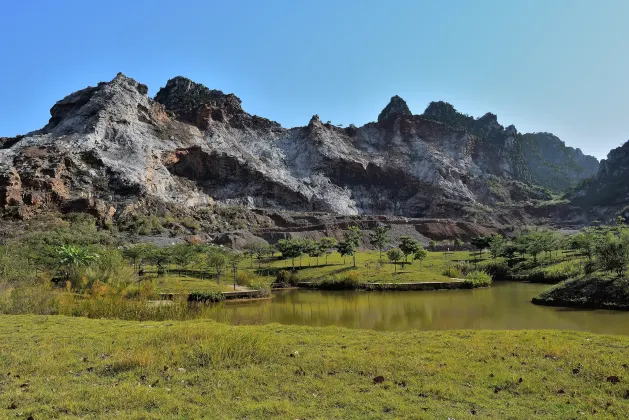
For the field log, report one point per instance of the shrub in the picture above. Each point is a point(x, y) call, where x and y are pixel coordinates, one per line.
point(36, 299)
point(351, 281)
point(498, 270)
point(206, 297)
point(191, 224)
point(453, 271)
point(111, 268)
point(287, 277)
point(246, 278)
point(563, 271)
point(478, 278)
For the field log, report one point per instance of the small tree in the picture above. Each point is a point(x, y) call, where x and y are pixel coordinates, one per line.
point(327, 246)
point(310, 248)
point(250, 250)
point(496, 245)
point(585, 242)
point(379, 238)
point(181, 255)
point(432, 245)
point(420, 255)
point(346, 248)
point(458, 243)
point(160, 257)
point(353, 236)
point(394, 255)
point(234, 260)
point(217, 260)
point(315, 251)
point(613, 252)
point(290, 248)
point(480, 243)
point(408, 246)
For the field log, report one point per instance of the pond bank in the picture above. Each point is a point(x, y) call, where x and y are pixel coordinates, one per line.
point(235, 295)
point(416, 286)
point(592, 292)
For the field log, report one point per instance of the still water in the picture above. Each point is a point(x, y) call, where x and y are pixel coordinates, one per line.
point(506, 305)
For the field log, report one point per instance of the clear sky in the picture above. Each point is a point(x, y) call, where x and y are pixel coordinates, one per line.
point(544, 65)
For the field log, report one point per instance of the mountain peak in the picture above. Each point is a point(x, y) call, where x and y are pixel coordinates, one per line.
point(396, 107)
point(185, 97)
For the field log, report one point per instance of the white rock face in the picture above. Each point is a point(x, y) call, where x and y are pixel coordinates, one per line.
point(192, 145)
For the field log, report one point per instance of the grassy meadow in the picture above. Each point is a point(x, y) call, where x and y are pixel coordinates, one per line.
point(65, 367)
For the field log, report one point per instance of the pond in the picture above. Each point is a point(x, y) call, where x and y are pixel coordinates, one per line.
point(506, 305)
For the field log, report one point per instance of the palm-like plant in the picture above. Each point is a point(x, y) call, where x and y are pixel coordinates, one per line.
point(71, 258)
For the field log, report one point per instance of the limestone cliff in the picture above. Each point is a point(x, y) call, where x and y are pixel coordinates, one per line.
point(107, 146)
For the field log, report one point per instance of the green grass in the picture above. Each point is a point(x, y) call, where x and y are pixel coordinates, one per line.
point(63, 367)
point(599, 290)
point(369, 268)
point(183, 284)
point(366, 265)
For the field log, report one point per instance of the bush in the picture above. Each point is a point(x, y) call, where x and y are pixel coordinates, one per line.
point(478, 278)
point(111, 268)
point(287, 277)
point(453, 271)
point(246, 278)
point(191, 224)
point(262, 289)
point(206, 297)
point(36, 299)
point(498, 270)
point(563, 271)
point(351, 281)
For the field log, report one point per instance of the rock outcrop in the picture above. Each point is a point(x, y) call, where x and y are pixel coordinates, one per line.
point(110, 145)
point(537, 158)
point(607, 193)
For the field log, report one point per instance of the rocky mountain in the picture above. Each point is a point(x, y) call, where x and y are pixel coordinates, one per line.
point(607, 193)
point(539, 158)
point(107, 147)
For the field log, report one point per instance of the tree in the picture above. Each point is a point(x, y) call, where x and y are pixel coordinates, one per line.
point(408, 246)
point(612, 252)
point(432, 245)
point(353, 236)
point(508, 250)
point(217, 260)
point(458, 243)
point(310, 248)
point(585, 242)
point(379, 238)
point(346, 248)
point(159, 257)
point(420, 255)
point(480, 243)
point(234, 259)
point(290, 248)
point(250, 249)
point(394, 255)
point(496, 245)
point(314, 250)
point(261, 251)
point(181, 255)
point(327, 245)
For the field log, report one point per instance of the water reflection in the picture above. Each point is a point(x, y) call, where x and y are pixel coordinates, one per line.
point(504, 306)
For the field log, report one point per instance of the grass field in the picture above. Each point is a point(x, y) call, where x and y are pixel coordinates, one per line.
point(368, 265)
point(64, 367)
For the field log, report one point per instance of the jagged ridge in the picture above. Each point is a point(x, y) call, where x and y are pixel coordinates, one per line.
point(107, 146)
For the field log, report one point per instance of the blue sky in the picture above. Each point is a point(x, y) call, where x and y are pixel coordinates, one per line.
point(544, 65)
